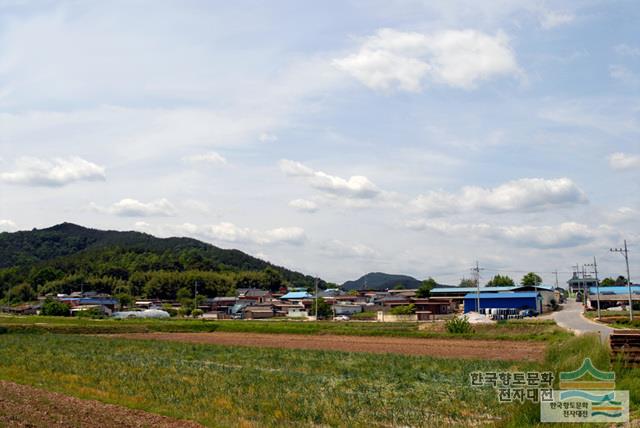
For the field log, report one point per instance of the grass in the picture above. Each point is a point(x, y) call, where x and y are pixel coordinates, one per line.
point(512, 330)
point(235, 386)
point(616, 319)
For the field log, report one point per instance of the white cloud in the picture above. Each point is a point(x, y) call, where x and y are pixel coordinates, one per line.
point(133, 208)
point(268, 138)
point(31, 171)
point(337, 248)
point(357, 186)
point(564, 235)
point(622, 215)
point(304, 205)
point(516, 195)
point(621, 161)
point(623, 74)
point(551, 19)
point(393, 59)
point(7, 226)
point(229, 232)
point(210, 157)
point(626, 50)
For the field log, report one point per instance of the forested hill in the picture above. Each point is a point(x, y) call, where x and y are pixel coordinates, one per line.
point(59, 258)
point(381, 281)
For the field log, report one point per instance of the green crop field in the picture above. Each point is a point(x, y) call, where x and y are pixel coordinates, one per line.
point(512, 330)
point(229, 386)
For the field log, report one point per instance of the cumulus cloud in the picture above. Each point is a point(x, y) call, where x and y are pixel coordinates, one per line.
point(268, 138)
point(7, 226)
point(31, 171)
point(357, 186)
point(337, 248)
point(133, 208)
point(393, 59)
point(229, 232)
point(210, 158)
point(564, 235)
point(623, 74)
point(551, 19)
point(626, 50)
point(621, 161)
point(304, 205)
point(516, 195)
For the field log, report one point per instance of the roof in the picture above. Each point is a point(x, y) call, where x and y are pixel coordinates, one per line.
point(507, 295)
point(297, 295)
point(457, 290)
point(635, 289)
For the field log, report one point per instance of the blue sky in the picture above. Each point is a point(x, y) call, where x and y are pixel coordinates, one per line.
point(335, 138)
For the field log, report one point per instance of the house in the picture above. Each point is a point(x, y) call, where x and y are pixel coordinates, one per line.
point(297, 295)
point(427, 309)
point(258, 312)
point(580, 282)
point(388, 302)
point(254, 294)
point(507, 300)
point(346, 308)
point(222, 304)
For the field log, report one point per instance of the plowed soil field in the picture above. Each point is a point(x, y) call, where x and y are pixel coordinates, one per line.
point(449, 348)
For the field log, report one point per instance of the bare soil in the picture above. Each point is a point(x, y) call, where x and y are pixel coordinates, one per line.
point(26, 406)
point(450, 348)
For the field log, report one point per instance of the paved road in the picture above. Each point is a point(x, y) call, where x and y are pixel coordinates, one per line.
point(570, 317)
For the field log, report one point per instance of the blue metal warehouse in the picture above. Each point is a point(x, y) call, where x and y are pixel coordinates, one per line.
point(512, 300)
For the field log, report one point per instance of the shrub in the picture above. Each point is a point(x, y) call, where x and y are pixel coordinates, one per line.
point(93, 313)
point(3, 330)
point(197, 313)
point(404, 310)
point(459, 325)
point(54, 308)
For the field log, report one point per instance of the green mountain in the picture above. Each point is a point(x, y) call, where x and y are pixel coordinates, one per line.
point(379, 281)
point(67, 257)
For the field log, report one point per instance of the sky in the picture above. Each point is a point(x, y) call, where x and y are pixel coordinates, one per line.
point(335, 137)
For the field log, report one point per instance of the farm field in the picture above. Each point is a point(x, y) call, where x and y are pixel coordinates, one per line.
point(452, 348)
point(513, 330)
point(25, 406)
point(247, 386)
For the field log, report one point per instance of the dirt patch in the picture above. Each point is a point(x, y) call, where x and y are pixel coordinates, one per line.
point(452, 348)
point(26, 406)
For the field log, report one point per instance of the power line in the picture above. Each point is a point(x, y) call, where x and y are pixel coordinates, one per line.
point(625, 253)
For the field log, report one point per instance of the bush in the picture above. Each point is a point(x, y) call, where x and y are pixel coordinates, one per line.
point(93, 313)
point(197, 313)
point(170, 310)
point(3, 330)
point(459, 325)
point(54, 308)
point(404, 310)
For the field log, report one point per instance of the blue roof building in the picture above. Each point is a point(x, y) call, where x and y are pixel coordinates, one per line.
point(635, 289)
point(293, 295)
point(508, 300)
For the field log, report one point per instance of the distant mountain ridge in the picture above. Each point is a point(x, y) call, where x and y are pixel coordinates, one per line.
point(69, 243)
point(380, 281)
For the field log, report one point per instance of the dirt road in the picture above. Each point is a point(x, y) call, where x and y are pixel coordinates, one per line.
point(453, 348)
point(26, 406)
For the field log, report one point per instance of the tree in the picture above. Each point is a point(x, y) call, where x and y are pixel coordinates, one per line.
point(467, 282)
point(54, 308)
point(324, 309)
point(399, 286)
point(608, 282)
point(531, 279)
point(20, 293)
point(124, 300)
point(501, 281)
point(404, 310)
point(621, 280)
point(424, 291)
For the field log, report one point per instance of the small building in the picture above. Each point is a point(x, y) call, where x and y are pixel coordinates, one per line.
point(508, 300)
point(258, 312)
point(254, 294)
point(613, 296)
point(346, 308)
point(580, 282)
point(297, 295)
point(548, 294)
point(427, 309)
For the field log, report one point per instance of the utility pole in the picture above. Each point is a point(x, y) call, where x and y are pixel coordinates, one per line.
point(476, 276)
point(625, 253)
point(195, 295)
point(595, 271)
point(316, 283)
point(556, 274)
